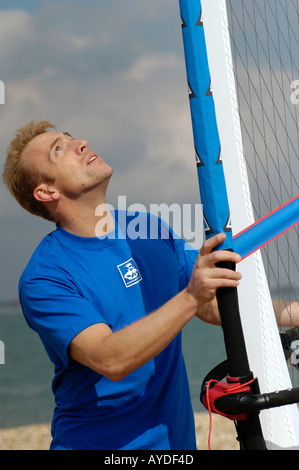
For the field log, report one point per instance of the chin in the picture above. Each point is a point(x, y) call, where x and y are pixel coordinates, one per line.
point(109, 171)
point(106, 175)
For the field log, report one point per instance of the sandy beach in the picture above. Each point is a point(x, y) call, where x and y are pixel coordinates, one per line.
point(37, 437)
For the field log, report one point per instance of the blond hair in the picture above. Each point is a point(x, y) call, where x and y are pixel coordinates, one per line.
point(20, 177)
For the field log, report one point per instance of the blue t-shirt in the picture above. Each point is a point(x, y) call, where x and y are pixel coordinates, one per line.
point(73, 282)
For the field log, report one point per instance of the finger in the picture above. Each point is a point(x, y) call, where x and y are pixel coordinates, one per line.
point(217, 283)
point(222, 280)
point(211, 258)
point(211, 243)
point(222, 273)
point(224, 255)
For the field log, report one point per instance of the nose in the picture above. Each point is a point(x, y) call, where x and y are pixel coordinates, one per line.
point(80, 146)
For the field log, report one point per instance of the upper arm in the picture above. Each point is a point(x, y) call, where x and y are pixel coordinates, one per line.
point(58, 313)
point(86, 348)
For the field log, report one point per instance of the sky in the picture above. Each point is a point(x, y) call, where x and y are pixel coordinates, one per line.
point(108, 71)
point(112, 72)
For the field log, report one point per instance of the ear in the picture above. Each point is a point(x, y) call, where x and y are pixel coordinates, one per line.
point(44, 193)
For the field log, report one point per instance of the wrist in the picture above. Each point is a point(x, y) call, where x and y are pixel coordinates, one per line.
point(191, 302)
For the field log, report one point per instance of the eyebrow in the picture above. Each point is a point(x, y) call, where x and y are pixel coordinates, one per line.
point(67, 134)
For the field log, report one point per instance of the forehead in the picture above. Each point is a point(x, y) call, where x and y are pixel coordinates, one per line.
point(41, 144)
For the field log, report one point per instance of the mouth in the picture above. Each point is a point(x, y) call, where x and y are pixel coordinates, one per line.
point(91, 158)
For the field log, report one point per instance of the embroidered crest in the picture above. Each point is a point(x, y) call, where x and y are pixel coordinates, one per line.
point(129, 272)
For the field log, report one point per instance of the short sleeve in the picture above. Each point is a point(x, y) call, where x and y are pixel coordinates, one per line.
point(57, 311)
point(186, 256)
point(185, 253)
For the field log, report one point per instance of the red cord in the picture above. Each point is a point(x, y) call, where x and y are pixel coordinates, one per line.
point(210, 412)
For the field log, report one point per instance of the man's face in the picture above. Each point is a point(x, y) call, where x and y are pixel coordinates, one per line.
point(75, 168)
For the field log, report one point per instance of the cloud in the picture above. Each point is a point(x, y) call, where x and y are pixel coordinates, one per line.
point(15, 28)
point(76, 63)
point(112, 73)
point(147, 66)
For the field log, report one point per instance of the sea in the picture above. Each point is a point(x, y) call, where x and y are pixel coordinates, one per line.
point(26, 373)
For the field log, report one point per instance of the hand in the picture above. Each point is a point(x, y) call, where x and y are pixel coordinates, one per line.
point(206, 277)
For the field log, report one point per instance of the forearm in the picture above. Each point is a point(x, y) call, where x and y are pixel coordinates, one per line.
point(286, 313)
point(143, 340)
point(119, 353)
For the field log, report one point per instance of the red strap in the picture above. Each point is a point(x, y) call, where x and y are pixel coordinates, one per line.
point(221, 389)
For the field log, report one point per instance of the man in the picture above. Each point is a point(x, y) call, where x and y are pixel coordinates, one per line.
point(108, 309)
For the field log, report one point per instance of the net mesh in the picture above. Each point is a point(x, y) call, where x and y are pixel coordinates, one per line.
point(265, 49)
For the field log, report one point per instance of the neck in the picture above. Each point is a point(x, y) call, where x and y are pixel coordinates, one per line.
point(86, 219)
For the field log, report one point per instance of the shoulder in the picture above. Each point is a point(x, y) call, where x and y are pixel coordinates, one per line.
point(45, 262)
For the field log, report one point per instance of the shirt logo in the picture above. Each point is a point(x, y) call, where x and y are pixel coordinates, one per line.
point(129, 272)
